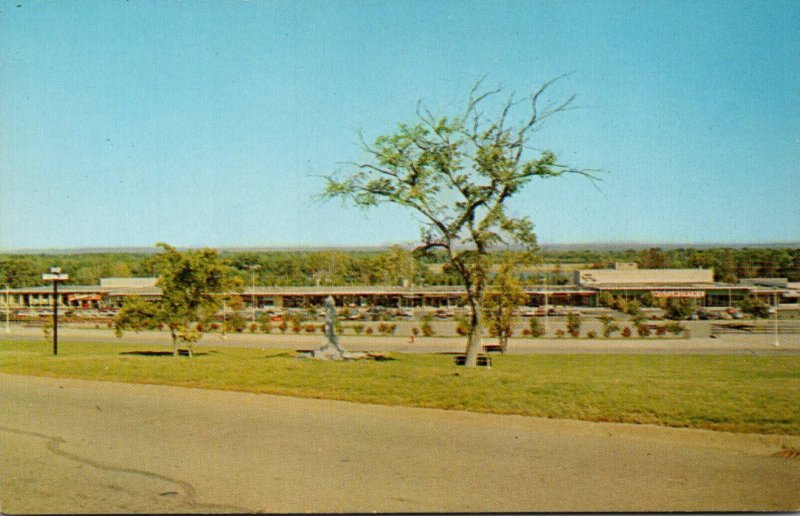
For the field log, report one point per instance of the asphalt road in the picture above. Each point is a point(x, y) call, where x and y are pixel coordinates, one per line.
point(85, 446)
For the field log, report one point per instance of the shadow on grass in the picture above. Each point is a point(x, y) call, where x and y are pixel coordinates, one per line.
point(181, 352)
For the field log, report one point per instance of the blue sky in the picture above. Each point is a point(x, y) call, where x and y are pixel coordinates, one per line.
point(210, 122)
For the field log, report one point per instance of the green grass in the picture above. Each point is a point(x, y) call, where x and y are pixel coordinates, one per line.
point(724, 392)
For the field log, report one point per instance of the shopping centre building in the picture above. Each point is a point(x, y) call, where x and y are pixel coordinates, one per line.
point(587, 285)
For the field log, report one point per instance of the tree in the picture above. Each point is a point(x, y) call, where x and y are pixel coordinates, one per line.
point(457, 173)
point(191, 285)
point(505, 296)
point(754, 307)
point(679, 308)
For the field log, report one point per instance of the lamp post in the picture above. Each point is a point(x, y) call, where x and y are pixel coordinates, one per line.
point(546, 307)
point(8, 312)
point(55, 276)
point(253, 268)
point(775, 299)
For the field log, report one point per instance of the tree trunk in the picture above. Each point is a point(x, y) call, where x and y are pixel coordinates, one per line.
point(174, 342)
point(475, 342)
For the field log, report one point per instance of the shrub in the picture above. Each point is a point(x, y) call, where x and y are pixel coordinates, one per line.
point(369, 330)
point(526, 332)
point(609, 326)
point(296, 326)
point(591, 334)
point(674, 328)
point(253, 327)
point(634, 308)
point(575, 333)
point(559, 333)
point(643, 330)
point(462, 326)
point(358, 328)
point(661, 331)
point(214, 326)
point(415, 331)
point(427, 329)
point(574, 323)
point(310, 328)
point(282, 326)
point(535, 327)
point(626, 332)
point(383, 328)
point(391, 329)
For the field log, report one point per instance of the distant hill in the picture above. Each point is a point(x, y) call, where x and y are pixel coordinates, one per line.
point(591, 246)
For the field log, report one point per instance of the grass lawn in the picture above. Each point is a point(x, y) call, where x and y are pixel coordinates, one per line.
point(739, 393)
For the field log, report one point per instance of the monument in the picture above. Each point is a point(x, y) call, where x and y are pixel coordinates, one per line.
point(331, 350)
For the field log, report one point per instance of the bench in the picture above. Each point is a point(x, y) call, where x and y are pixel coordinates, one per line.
point(497, 348)
point(483, 359)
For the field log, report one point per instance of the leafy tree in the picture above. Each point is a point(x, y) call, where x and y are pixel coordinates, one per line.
point(191, 283)
point(457, 173)
point(755, 307)
point(679, 308)
point(505, 296)
point(653, 258)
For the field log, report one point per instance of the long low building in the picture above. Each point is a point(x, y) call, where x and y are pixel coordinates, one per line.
point(624, 280)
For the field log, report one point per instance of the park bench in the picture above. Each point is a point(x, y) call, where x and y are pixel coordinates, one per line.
point(496, 348)
point(483, 359)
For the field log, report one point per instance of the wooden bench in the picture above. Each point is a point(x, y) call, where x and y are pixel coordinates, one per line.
point(482, 360)
point(489, 348)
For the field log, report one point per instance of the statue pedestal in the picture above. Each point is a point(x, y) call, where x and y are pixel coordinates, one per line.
point(331, 352)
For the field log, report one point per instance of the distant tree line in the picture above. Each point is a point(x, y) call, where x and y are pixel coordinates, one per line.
point(394, 266)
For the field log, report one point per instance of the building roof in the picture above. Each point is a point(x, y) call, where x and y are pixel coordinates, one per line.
point(618, 277)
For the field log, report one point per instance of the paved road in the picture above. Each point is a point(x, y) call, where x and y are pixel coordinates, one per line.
point(84, 446)
point(733, 344)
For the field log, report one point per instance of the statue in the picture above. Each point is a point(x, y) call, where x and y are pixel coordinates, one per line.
point(332, 350)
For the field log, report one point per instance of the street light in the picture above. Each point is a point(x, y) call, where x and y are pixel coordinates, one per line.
point(253, 268)
point(8, 312)
point(775, 296)
point(55, 276)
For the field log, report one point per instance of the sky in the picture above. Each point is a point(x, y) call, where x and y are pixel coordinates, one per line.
point(211, 123)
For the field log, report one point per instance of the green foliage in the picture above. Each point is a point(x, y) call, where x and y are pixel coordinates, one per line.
point(462, 326)
point(674, 327)
point(505, 296)
point(535, 327)
point(457, 173)
point(754, 307)
point(191, 283)
point(137, 314)
point(609, 325)
point(678, 308)
point(573, 323)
